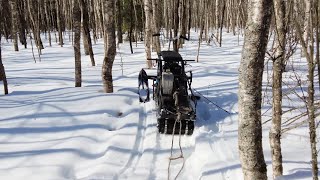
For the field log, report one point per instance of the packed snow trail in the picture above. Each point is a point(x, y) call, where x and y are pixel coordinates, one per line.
point(150, 155)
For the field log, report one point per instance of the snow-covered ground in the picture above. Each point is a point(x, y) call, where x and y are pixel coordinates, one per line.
point(50, 129)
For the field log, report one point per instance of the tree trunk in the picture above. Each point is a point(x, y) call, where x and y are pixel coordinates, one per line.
point(131, 25)
point(317, 40)
point(35, 26)
point(156, 25)
point(306, 20)
point(86, 31)
point(312, 123)
point(2, 70)
point(59, 24)
point(23, 23)
point(46, 6)
point(250, 87)
point(148, 31)
point(110, 45)
point(176, 25)
point(76, 46)
point(309, 53)
point(190, 3)
point(14, 24)
point(310, 99)
point(278, 68)
point(183, 22)
point(221, 25)
point(119, 21)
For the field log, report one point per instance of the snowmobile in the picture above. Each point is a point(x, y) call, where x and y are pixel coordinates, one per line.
point(172, 93)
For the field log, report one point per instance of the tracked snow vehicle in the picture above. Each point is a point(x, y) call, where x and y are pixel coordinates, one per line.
point(173, 95)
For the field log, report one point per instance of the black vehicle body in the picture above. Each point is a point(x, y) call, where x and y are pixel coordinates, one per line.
point(173, 94)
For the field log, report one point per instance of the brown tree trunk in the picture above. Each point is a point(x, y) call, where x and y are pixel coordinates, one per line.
point(119, 20)
point(278, 68)
point(14, 24)
point(183, 22)
point(250, 87)
point(176, 25)
point(131, 25)
point(86, 31)
point(221, 24)
point(110, 45)
point(309, 53)
point(59, 23)
point(35, 25)
point(156, 25)
point(2, 70)
point(76, 45)
point(48, 19)
point(23, 24)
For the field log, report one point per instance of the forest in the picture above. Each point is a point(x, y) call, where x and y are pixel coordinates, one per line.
point(269, 48)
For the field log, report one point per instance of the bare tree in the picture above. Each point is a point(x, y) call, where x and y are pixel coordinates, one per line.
point(307, 17)
point(250, 87)
point(14, 24)
point(86, 32)
point(2, 70)
point(156, 25)
point(175, 15)
point(148, 30)
point(308, 50)
point(59, 23)
point(35, 23)
point(119, 20)
point(110, 45)
point(278, 68)
point(76, 45)
point(131, 26)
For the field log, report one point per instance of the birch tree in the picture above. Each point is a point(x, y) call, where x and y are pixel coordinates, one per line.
point(250, 87)
point(278, 68)
point(308, 50)
point(148, 30)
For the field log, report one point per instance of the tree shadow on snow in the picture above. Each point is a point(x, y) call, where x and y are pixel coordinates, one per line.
point(215, 105)
point(298, 173)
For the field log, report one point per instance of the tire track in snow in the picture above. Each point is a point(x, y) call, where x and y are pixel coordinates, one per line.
point(145, 166)
point(153, 118)
point(225, 155)
point(137, 150)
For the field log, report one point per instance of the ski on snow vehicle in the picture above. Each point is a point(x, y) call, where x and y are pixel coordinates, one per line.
point(172, 94)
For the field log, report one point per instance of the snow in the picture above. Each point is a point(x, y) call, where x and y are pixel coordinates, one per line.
point(50, 129)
